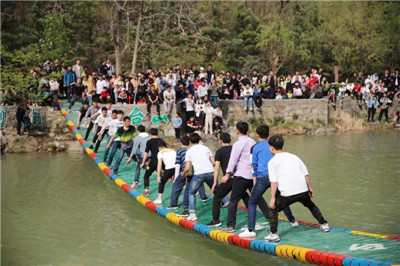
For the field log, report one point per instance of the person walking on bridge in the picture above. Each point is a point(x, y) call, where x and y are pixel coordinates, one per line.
point(288, 174)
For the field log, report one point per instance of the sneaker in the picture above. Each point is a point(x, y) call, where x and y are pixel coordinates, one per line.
point(324, 227)
point(145, 194)
point(245, 109)
point(91, 147)
point(224, 205)
point(214, 223)
point(247, 234)
point(158, 201)
point(295, 224)
point(205, 199)
point(192, 217)
point(251, 109)
point(135, 185)
point(229, 229)
point(272, 238)
point(172, 207)
point(184, 213)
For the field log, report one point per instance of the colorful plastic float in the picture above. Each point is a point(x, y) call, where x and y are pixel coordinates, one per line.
point(306, 243)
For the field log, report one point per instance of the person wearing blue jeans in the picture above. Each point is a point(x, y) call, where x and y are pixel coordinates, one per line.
point(202, 160)
point(124, 149)
point(248, 97)
point(261, 155)
point(180, 181)
point(196, 182)
point(116, 144)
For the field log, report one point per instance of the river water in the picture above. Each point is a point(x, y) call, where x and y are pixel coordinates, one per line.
point(60, 209)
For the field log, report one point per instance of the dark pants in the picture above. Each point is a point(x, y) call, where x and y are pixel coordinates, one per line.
point(371, 113)
point(262, 184)
point(19, 123)
point(115, 146)
point(96, 148)
point(91, 124)
point(282, 202)
point(167, 175)
point(258, 101)
point(220, 192)
point(384, 111)
point(95, 137)
point(157, 104)
point(151, 168)
point(74, 99)
point(123, 150)
point(177, 133)
point(239, 187)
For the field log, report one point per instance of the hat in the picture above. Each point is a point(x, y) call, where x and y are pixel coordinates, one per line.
point(343, 83)
point(201, 68)
point(202, 79)
point(222, 72)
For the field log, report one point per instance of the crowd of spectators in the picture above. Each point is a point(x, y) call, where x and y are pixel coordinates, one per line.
point(197, 90)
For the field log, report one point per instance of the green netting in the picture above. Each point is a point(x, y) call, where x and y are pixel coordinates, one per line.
point(337, 241)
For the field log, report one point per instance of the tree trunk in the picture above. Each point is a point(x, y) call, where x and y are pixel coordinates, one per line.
point(117, 48)
point(135, 50)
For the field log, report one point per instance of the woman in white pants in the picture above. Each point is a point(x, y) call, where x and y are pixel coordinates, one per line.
point(209, 111)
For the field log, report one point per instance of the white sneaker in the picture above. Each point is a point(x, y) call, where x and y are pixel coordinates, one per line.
point(192, 217)
point(324, 227)
point(251, 109)
point(295, 224)
point(158, 201)
point(272, 238)
point(245, 108)
point(247, 234)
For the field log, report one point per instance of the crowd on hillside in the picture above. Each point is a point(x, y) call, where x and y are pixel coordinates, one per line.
point(198, 90)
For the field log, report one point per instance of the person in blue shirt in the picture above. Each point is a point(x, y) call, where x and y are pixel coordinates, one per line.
point(69, 81)
point(177, 123)
point(257, 96)
point(372, 105)
point(261, 155)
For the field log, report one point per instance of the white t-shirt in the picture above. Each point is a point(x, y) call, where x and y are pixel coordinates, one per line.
point(100, 84)
point(199, 155)
point(168, 156)
point(101, 120)
point(109, 111)
point(169, 94)
point(113, 126)
point(189, 104)
point(289, 171)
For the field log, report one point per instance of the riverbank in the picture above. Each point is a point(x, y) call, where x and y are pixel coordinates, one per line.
point(286, 117)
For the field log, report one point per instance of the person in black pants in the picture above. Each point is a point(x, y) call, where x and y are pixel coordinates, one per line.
point(21, 111)
point(151, 145)
point(91, 114)
point(293, 183)
point(384, 102)
point(240, 168)
point(222, 190)
point(167, 157)
point(153, 99)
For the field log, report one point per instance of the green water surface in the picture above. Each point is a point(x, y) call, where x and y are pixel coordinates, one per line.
point(60, 209)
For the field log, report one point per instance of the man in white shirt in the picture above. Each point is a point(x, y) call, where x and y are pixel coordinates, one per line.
point(167, 157)
point(202, 90)
point(169, 99)
point(100, 84)
point(100, 121)
point(78, 69)
point(293, 183)
point(113, 126)
point(202, 160)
